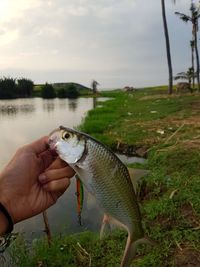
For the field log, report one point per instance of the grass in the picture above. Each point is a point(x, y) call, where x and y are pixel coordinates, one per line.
point(136, 119)
point(168, 196)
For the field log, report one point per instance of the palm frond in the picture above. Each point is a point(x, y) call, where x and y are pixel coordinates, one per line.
point(178, 77)
point(184, 17)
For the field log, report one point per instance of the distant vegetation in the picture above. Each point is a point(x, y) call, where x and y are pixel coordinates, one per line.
point(62, 90)
point(47, 91)
point(71, 90)
point(11, 88)
point(67, 90)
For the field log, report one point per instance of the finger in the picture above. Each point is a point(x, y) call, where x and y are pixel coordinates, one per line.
point(58, 186)
point(58, 163)
point(56, 174)
point(46, 158)
point(39, 145)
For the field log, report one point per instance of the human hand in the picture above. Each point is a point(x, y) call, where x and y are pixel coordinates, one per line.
point(33, 180)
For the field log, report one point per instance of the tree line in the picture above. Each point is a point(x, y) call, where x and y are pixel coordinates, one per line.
point(11, 88)
point(64, 91)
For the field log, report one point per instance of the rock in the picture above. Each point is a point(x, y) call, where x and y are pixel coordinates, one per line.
point(129, 89)
point(182, 87)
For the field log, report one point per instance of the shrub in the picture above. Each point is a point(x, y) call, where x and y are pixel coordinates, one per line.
point(24, 87)
point(61, 92)
point(71, 91)
point(47, 91)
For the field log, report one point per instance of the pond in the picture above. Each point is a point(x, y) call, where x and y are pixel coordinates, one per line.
point(24, 120)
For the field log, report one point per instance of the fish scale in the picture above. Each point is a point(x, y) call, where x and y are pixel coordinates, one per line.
point(113, 191)
point(107, 178)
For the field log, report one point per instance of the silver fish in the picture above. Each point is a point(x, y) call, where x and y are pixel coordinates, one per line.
point(105, 177)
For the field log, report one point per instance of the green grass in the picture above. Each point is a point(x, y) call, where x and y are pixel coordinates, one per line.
point(168, 196)
point(131, 118)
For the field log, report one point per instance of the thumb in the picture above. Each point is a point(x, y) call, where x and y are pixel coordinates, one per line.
point(39, 145)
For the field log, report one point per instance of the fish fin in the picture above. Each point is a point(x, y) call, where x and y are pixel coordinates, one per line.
point(105, 226)
point(91, 201)
point(136, 175)
point(131, 248)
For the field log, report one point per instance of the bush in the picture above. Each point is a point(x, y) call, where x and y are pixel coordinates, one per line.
point(24, 87)
point(61, 92)
point(47, 91)
point(71, 91)
point(8, 88)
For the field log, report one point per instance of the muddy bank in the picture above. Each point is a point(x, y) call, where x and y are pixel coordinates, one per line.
point(131, 150)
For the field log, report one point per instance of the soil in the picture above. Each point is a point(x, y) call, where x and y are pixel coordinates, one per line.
point(187, 257)
point(132, 150)
point(190, 215)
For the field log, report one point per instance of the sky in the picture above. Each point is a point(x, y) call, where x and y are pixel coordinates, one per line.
point(116, 42)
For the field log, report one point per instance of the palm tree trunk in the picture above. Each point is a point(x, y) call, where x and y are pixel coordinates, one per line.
point(170, 86)
point(197, 57)
point(193, 72)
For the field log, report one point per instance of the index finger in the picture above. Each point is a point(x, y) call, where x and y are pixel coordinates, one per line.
point(57, 164)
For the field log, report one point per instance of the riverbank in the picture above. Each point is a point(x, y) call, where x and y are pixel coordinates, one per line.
point(166, 130)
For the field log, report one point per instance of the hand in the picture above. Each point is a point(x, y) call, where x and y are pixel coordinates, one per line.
point(33, 180)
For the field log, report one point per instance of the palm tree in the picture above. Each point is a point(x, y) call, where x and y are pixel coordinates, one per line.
point(195, 14)
point(170, 86)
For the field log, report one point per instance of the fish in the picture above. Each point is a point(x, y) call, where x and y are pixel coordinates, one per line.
point(107, 179)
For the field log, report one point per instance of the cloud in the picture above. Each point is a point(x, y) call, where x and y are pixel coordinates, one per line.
point(114, 40)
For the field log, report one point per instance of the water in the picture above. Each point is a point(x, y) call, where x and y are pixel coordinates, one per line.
point(128, 160)
point(24, 120)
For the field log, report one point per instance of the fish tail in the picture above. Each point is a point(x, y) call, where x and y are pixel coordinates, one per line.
point(131, 248)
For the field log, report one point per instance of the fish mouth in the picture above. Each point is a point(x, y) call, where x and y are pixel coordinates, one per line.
point(54, 136)
point(53, 139)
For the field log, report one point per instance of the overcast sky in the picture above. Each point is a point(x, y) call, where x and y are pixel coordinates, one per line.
point(116, 42)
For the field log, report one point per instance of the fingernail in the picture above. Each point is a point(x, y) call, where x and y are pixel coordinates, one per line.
point(42, 178)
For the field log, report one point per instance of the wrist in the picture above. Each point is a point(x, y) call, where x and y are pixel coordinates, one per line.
point(6, 220)
point(5, 200)
point(4, 224)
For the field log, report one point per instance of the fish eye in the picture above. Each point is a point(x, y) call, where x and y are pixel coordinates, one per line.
point(66, 135)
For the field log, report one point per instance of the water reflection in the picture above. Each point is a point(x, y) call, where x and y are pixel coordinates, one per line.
point(62, 103)
point(73, 104)
point(48, 105)
point(94, 102)
point(12, 109)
